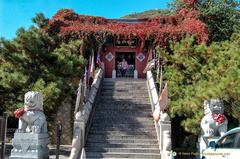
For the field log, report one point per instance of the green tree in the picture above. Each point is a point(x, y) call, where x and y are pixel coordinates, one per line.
point(35, 61)
point(195, 73)
point(40, 20)
point(219, 15)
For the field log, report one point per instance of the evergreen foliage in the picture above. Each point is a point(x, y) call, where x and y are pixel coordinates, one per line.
point(219, 15)
point(40, 20)
point(34, 61)
point(196, 73)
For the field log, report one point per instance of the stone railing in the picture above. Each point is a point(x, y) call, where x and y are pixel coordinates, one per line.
point(83, 118)
point(163, 126)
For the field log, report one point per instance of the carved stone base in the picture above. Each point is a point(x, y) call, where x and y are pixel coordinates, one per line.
point(30, 146)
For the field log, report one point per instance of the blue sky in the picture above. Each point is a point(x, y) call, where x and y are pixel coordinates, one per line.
point(18, 13)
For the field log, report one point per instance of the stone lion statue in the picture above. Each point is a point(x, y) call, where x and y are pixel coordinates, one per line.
point(32, 118)
point(214, 123)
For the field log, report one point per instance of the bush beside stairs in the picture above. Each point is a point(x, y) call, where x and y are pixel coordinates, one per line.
point(122, 126)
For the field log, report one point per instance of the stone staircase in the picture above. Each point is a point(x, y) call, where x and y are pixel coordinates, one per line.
point(122, 126)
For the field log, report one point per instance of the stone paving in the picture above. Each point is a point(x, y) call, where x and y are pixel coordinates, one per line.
point(65, 151)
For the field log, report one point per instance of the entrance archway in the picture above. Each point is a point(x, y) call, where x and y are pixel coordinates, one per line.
point(130, 58)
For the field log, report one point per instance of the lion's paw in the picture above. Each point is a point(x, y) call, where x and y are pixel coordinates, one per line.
point(36, 129)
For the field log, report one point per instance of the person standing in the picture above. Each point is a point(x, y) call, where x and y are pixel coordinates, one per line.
point(124, 67)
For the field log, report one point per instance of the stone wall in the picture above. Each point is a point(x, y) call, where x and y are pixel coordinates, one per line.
point(64, 116)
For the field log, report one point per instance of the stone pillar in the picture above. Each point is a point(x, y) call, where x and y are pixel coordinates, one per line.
point(113, 73)
point(165, 145)
point(135, 74)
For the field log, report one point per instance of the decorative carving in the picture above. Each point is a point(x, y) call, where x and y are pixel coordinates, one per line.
point(32, 118)
point(140, 57)
point(29, 146)
point(109, 56)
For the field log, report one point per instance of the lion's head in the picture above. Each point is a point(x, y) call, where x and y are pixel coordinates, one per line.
point(33, 100)
point(213, 106)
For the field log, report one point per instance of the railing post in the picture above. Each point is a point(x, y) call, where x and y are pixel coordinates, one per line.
point(3, 133)
point(59, 133)
point(165, 145)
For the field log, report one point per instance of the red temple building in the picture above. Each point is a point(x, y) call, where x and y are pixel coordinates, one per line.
point(132, 39)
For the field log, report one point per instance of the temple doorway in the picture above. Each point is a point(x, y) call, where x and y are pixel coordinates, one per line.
point(130, 58)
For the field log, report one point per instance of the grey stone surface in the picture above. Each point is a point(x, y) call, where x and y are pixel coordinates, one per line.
point(122, 126)
point(64, 116)
point(30, 146)
point(64, 151)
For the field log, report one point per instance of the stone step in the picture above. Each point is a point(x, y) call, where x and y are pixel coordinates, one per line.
point(123, 88)
point(121, 118)
point(117, 83)
point(122, 115)
point(125, 125)
point(121, 150)
point(119, 128)
point(127, 107)
point(109, 90)
point(122, 102)
point(122, 155)
point(120, 121)
point(122, 126)
point(117, 136)
point(115, 95)
point(135, 93)
point(126, 145)
point(111, 132)
point(120, 111)
point(115, 89)
point(127, 97)
point(134, 113)
point(121, 141)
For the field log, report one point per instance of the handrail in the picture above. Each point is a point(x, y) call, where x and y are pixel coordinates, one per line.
point(152, 90)
point(163, 126)
point(83, 118)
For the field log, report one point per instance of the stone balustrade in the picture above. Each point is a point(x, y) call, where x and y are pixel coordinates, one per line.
point(163, 126)
point(83, 118)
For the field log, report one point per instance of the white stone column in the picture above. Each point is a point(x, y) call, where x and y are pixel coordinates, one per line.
point(113, 73)
point(165, 145)
point(135, 74)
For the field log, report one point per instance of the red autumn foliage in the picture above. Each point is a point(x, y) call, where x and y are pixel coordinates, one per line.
point(159, 30)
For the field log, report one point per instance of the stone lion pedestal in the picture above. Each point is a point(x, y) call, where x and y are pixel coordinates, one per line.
point(31, 138)
point(30, 146)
